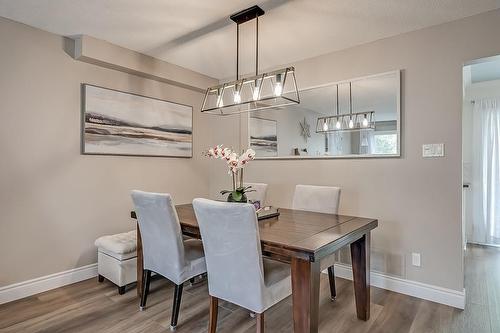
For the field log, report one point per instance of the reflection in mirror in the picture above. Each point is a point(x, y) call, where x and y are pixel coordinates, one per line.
point(324, 126)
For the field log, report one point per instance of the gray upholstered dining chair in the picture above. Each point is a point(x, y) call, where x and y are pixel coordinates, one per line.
point(320, 199)
point(237, 273)
point(165, 251)
point(259, 193)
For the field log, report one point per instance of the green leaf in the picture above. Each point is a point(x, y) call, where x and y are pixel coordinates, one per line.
point(237, 196)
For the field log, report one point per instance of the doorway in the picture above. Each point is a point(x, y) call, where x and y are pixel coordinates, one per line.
point(481, 152)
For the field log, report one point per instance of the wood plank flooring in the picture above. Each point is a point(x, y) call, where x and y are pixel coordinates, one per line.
point(90, 306)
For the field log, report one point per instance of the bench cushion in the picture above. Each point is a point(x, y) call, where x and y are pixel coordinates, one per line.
point(120, 244)
point(118, 256)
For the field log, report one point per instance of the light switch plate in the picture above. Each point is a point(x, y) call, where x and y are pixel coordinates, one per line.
point(415, 259)
point(433, 150)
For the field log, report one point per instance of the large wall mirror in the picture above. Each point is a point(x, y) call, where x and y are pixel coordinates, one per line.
point(366, 124)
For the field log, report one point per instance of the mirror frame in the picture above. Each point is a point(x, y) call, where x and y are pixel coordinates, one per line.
point(350, 156)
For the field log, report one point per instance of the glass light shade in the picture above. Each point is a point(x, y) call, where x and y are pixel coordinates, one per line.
point(365, 122)
point(338, 124)
point(325, 126)
point(237, 97)
point(341, 122)
point(268, 90)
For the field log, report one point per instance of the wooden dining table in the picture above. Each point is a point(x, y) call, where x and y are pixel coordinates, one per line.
point(308, 241)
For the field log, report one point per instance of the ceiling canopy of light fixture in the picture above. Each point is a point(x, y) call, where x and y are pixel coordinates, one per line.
point(347, 121)
point(262, 91)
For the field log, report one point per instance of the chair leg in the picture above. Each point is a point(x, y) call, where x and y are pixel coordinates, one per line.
point(146, 279)
point(121, 290)
point(177, 306)
point(100, 278)
point(214, 311)
point(331, 278)
point(260, 322)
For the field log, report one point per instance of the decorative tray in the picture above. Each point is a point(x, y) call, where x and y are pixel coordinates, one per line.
point(267, 213)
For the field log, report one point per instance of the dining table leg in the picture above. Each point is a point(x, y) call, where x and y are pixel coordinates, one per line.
point(360, 257)
point(305, 295)
point(140, 265)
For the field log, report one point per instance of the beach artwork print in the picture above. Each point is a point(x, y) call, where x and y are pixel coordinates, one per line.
point(119, 123)
point(263, 137)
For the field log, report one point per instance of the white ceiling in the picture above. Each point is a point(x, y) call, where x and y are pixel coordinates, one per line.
point(199, 35)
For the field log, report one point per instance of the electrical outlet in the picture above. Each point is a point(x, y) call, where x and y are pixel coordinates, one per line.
point(415, 259)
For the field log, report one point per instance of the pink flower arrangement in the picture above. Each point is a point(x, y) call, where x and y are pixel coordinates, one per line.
point(235, 164)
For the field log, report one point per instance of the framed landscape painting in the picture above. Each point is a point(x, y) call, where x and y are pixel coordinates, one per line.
point(263, 136)
point(119, 123)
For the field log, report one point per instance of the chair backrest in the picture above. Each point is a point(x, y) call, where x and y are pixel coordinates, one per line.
point(231, 242)
point(161, 235)
point(320, 199)
point(259, 194)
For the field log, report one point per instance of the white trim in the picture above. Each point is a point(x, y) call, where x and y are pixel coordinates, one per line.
point(31, 287)
point(428, 292)
point(436, 294)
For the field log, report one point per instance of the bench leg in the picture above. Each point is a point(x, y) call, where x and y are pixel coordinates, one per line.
point(121, 290)
point(100, 278)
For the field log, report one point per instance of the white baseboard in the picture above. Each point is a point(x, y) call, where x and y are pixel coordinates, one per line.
point(417, 289)
point(428, 292)
point(31, 287)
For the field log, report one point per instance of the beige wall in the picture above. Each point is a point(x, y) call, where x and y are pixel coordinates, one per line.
point(417, 201)
point(55, 202)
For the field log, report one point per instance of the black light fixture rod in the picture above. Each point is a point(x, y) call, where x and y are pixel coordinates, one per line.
point(337, 100)
point(243, 16)
point(257, 45)
point(237, 51)
point(350, 98)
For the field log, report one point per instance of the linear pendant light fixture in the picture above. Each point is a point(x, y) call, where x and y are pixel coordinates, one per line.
point(261, 91)
point(346, 122)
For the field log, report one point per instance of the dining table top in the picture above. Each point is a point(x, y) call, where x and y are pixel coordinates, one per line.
point(300, 233)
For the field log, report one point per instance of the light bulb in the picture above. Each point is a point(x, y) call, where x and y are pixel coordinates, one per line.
point(365, 122)
point(256, 93)
point(338, 125)
point(278, 89)
point(351, 123)
point(237, 97)
point(325, 126)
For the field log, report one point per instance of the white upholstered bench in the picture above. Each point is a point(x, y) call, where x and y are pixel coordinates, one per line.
point(117, 259)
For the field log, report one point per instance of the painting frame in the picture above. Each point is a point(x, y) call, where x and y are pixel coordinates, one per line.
point(83, 111)
point(258, 148)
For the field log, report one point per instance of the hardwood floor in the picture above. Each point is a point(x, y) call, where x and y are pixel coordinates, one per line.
point(90, 306)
